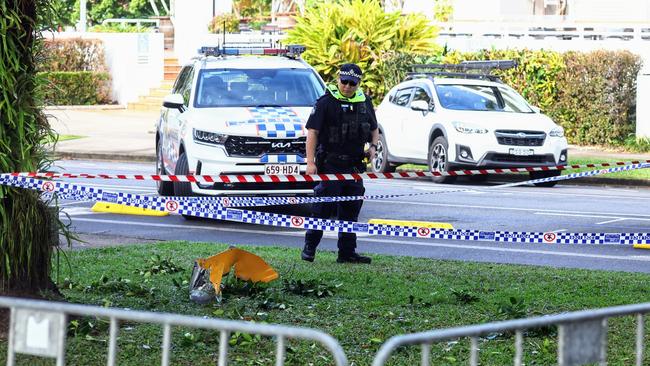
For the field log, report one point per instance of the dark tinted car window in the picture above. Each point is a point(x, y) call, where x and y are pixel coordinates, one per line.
point(257, 87)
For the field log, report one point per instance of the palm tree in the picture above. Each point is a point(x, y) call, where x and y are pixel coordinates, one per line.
point(27, 229)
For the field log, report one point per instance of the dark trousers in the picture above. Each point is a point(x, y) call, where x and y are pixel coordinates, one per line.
point(346, 211)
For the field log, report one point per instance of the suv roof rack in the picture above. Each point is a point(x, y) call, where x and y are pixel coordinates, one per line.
point(252, 48)
point(462, 70)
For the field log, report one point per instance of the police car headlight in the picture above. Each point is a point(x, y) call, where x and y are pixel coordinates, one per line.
point(557, 132)
point(468, 128)
point(209, 137)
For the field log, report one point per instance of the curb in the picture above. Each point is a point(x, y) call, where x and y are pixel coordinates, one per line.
point(84, 107)
point(108, 157)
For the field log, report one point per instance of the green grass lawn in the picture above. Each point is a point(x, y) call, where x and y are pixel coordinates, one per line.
point(633, 174)
point(361, 305)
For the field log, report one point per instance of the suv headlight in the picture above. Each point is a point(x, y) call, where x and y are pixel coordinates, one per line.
point(557, 132)
point(209, 137)
point(468, 128)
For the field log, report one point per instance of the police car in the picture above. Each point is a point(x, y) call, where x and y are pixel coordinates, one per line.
point(462, 117)
point(238, 109)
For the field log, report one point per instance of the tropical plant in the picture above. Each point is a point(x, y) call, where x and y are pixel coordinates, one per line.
point(443, 10)
point(229, 21)
point(27, 226)
point(252, 8)
point(361, 32)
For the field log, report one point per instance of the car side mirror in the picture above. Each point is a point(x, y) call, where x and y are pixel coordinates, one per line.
point(174, 101)
point(420, 105)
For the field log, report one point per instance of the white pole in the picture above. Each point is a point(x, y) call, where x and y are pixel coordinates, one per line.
point(82, 16)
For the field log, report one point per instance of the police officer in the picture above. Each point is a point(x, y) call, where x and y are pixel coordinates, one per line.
point(341, 123)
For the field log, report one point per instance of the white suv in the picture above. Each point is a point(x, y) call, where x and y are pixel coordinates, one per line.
point(231, 113)
point(452, 120)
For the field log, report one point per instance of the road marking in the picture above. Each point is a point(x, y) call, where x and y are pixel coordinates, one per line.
point(75, 211)
point(497, 208)
point(300, 233)
point(613, 218)
point(610, 221)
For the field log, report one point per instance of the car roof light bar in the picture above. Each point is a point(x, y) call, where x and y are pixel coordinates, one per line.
point(252, 48)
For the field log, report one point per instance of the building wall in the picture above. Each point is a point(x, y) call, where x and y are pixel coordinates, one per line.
point(609, 10)
point(529, 10)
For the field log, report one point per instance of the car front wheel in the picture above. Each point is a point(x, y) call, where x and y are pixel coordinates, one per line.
point(439, 160)
point(380, 163)
point(164, 188)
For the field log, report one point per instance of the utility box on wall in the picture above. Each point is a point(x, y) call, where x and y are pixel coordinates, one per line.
point(643, 102)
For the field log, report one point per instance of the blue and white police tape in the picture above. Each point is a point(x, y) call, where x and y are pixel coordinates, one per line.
point(197, 202)
point(299, 222)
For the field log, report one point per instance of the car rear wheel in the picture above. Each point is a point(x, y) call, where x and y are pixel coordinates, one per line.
point(183, 189)
point(439, 160)
point(380, 163)
point(545, 174)
point(164, 188)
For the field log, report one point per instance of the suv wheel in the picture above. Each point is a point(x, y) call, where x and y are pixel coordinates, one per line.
point(183, 188)
point(164, 188)
point(439, 160)
point(545, 174)
point(380, 163)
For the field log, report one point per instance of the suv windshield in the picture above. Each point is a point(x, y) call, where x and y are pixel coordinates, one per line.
point(257, 87)
point(481, 98)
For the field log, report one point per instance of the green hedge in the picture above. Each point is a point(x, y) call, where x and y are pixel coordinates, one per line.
point(596, 97)
point(591, 94)
point(76, 87)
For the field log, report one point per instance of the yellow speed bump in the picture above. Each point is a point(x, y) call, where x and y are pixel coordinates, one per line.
point(126, 210)
point(429, 225)
point(641, 246)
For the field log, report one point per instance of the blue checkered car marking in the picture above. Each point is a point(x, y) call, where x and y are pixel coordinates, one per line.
point(282, 158)
point(280, 130)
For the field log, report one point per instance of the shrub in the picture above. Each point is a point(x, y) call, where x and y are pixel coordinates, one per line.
point(120, 28)
point(76, 88)
point(217, 23)
point(361, 32)
point(596, 100)
point(73, 54)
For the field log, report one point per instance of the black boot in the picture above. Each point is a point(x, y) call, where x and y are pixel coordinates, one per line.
point(352, 258)
point(308, 253)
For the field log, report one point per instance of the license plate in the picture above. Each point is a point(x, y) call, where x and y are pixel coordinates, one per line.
point(282, 169)
point(521, 152)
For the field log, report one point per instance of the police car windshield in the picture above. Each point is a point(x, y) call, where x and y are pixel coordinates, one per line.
point(481, 98)
point(257, 87)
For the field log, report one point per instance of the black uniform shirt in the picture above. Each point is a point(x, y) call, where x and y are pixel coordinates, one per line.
point(328, 111)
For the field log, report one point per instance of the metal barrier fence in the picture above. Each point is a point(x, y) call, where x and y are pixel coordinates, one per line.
point(40, 328)
point(582, 336)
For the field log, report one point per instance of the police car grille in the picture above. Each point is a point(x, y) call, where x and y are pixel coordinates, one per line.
point(520, 138)
point(257, 146)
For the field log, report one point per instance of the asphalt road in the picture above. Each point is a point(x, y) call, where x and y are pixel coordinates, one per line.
point(572, 208)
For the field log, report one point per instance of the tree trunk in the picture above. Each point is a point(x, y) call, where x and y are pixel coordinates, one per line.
point(26, 227)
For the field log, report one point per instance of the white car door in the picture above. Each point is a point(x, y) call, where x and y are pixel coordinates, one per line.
point(174, 120)
point(392, 120)
point(416, 125)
